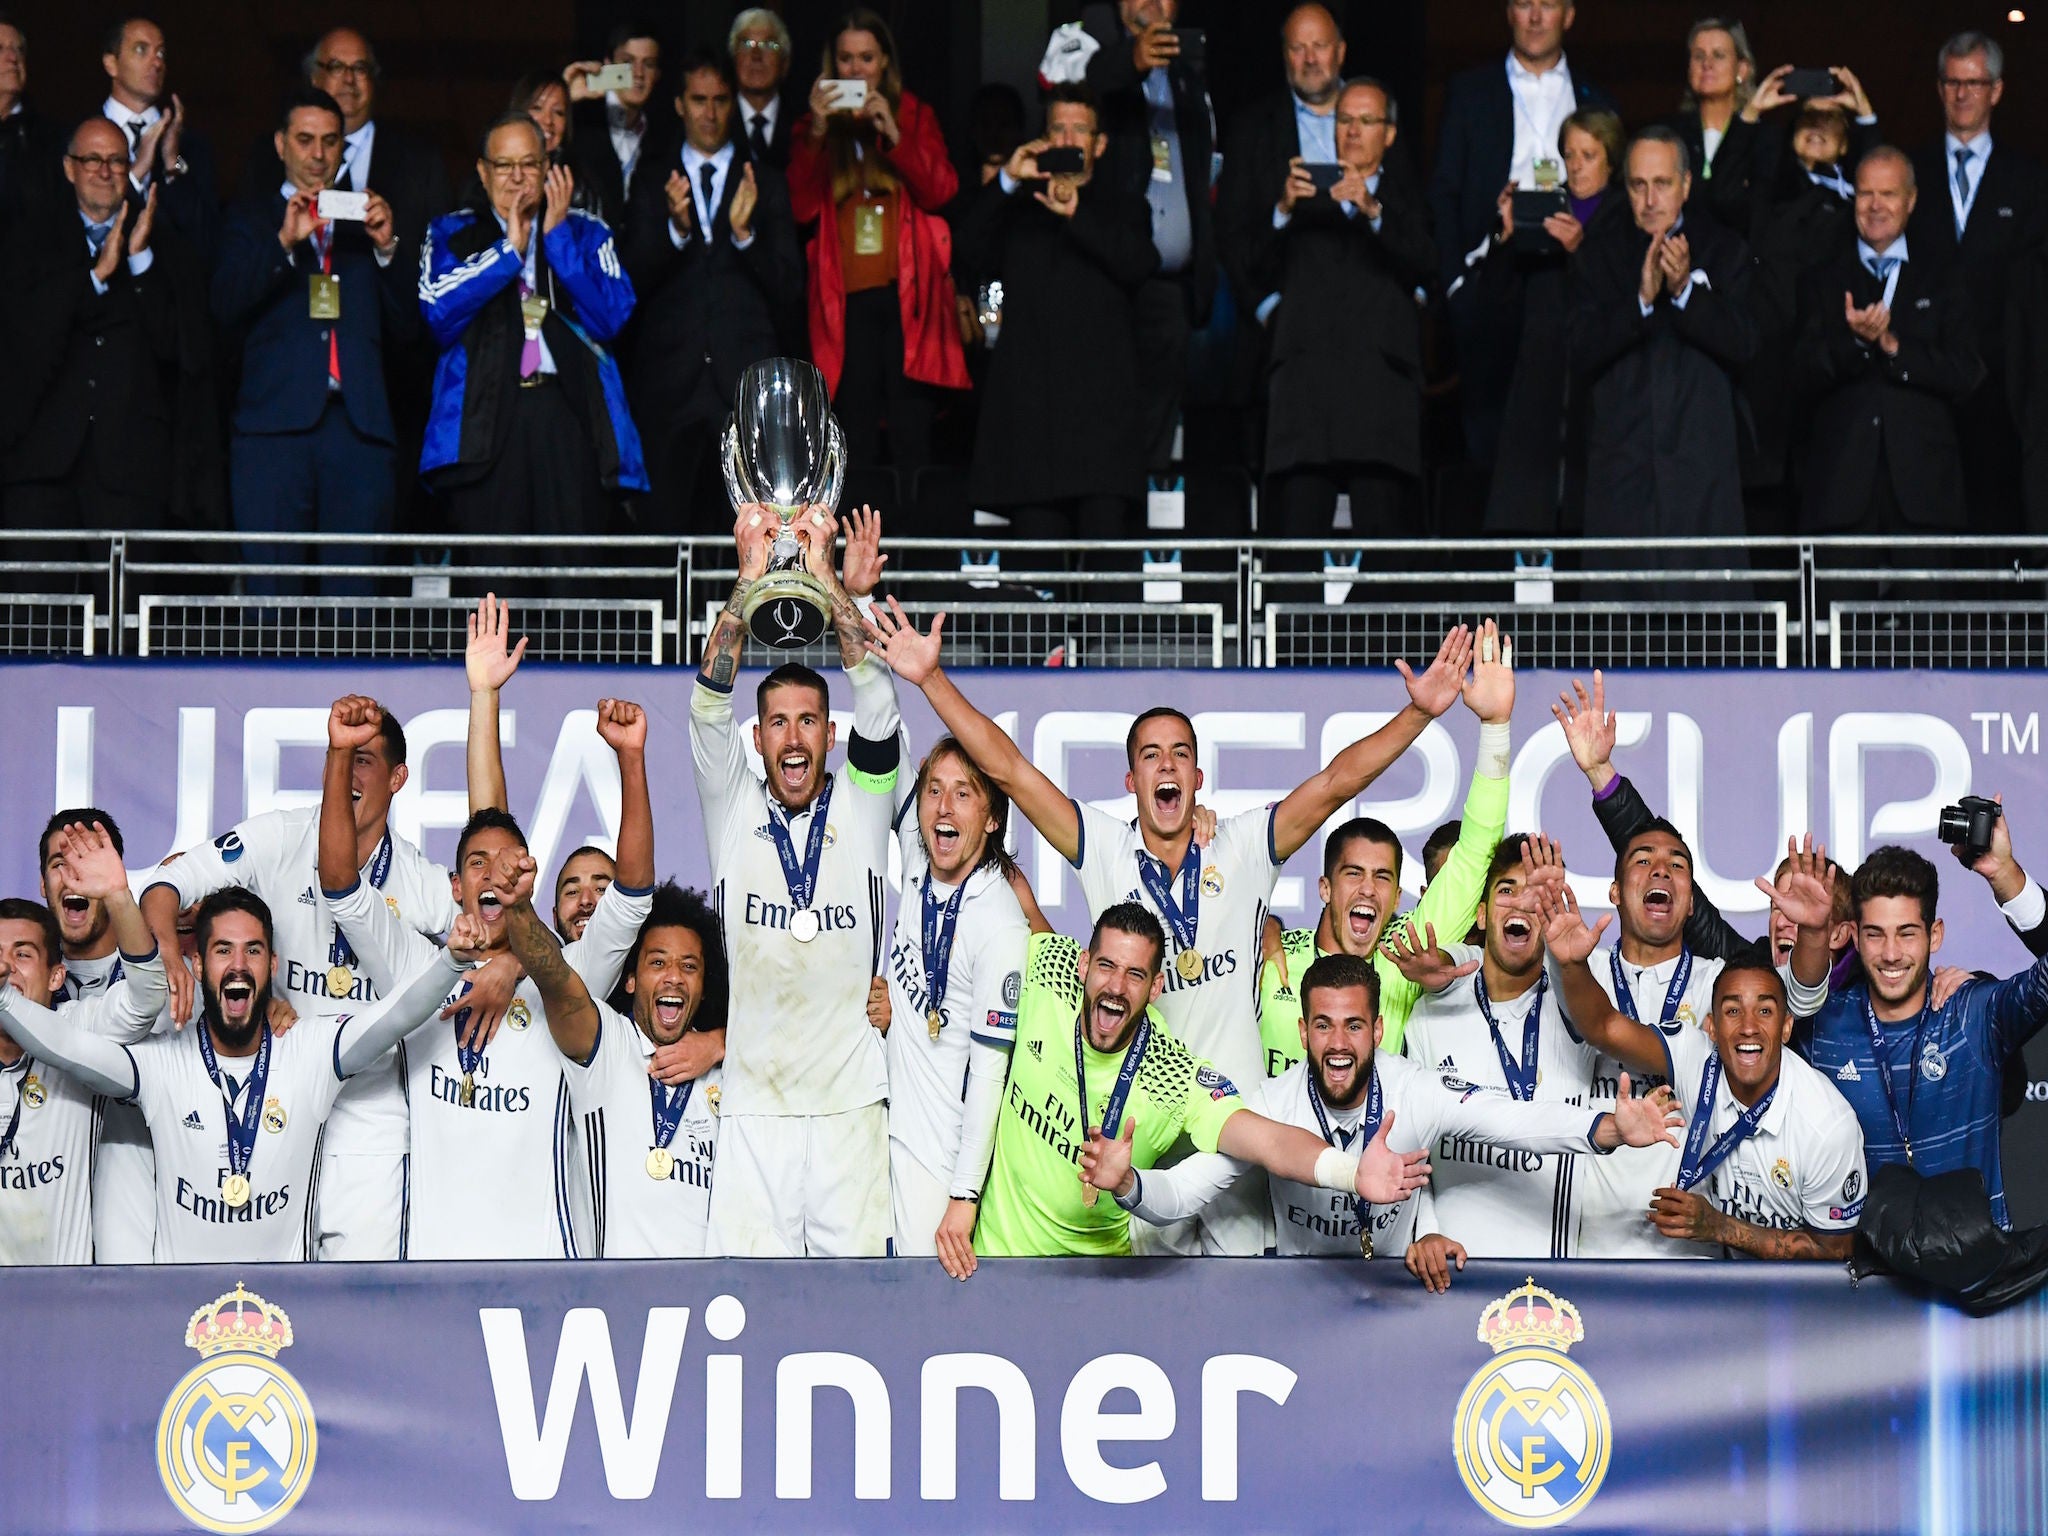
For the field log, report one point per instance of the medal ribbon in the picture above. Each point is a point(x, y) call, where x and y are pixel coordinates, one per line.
point(1185, 916)
point(1674, 994)
point(339, 952)
point(1882, 1053)
point(28, 1064)
point(242, 1131)
point(1375, 1104)
point(1700, 1159)
point(1134, 1053)
point(1520, 1076)
point(468, 1058)
point(802, 879)
point(939, 923)
point(669, 1104)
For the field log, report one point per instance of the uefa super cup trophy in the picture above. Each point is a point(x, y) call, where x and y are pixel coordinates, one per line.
point(783, 450)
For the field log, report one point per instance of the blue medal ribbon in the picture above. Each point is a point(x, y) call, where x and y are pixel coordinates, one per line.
point(1700, 1159)
point(1674, 994)
point(469, 1059)
point(1127, 1074)
point(1520, 1076)
point(669, 1104)
point(937, 933)
point(26, 1066)
point(339, 952)
point(1375, 1104)
point(1881, 1053)
point(1182, 917)
point(242, 1131)
point(802, 879)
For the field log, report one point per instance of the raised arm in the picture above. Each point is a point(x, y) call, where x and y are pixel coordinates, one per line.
point(1317, 799)
point(99, 1063)
point(1593, 1018)
point(489, 662)
point(572, 1016)
point(352, 724)
point(915, 658)
point(623, 725)
point(721, 662)
point(130, 1008)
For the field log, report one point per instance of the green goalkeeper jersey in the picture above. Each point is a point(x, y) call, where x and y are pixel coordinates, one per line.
point(1449, 905)
point(1032, 1204)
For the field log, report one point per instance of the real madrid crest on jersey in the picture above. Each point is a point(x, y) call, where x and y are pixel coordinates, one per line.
point(517, 1016)
point(273, 1115)
point(236, 1441)
point(1781, 1174)
point(1212, 881)
point(1933, 1064)
point(1532, 1435)
point(33, 1094)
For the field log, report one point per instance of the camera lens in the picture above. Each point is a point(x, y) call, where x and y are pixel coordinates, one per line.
point(1954, 825)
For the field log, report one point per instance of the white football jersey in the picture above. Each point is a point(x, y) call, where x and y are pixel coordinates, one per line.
point(123, 1166)
point(984, 980)
point(1614, 1194)
point(49, 1122)
point(637, 1215)
point(494, 1179)
point(798, 1041)
point(1801, 1167)
point(1497, 1202)
point(277, 855)
point(1217, 1015)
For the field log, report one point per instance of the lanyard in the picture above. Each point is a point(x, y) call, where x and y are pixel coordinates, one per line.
point(938, 927)
point(340, 952)
point(242, 1130)
point(669, 1104)
point(1521, 1077)
point(1184, 916)
point(1882, 1053)
point(1700, 1159)
point(1674, 994)
point(1127, 1074)
point(802, 879)
point(1374, 1105)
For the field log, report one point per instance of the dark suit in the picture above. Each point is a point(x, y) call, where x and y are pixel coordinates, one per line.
point(190, 203)
point(1475, 149)
point(703, 314)
point(599, 171)
point(790, 106)
point(1058, 409)
point(2008, 219)
point(89, 396)
point(405, 170)
point(304, 456)
point(1744, 166)
point(32, 184)
point(1664, 433)
point(1882, 455)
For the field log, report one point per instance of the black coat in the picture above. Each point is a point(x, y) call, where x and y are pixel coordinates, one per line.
point(792, 106)
point(704, 313)
point(1126, 122)
point(1743, 167)
point(1865, 403)
point(1799, 229)
point(1539, 469)
point(1345, 381)
point(86, 372)
point(1058, 413)
point(2008, 218)
point(1664, 434)
point(32, 184)
point(190, 203)
point(599, 173)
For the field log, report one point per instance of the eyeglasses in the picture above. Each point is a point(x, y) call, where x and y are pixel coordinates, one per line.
point(100, 165)
point(1953, 83)
point(517, 167)
point(361, 68)
point(758, 45)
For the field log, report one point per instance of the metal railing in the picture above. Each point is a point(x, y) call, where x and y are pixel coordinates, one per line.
point(1152, 602)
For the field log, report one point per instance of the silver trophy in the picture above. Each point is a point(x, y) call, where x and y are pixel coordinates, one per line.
point(782, 449)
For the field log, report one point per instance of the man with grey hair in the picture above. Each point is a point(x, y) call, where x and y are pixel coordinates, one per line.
point(760, 48)
point(1984, 206)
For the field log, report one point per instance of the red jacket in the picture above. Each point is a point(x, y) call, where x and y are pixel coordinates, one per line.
point(932, 353)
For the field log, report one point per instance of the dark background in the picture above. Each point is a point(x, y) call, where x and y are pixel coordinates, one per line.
point(448, 66)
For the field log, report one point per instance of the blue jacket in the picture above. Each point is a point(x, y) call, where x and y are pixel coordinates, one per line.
point(469, 295)
point(264, 292)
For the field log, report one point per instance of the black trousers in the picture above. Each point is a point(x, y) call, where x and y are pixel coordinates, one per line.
point(1160, 319)
point(543, 482)
point(78, 499)
point(686, 485)
point(873, 390)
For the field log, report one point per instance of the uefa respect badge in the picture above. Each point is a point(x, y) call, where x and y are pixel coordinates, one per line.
point(1532, 1433)
point(236, 1441)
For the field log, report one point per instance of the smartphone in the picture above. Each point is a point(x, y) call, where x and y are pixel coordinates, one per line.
point(344, 205)
point(1807, 83)
point(848, 95)
point(1194, 46)
point(612, 77)
point(1324, 173)
point(1060, 160)
point(1532, 208)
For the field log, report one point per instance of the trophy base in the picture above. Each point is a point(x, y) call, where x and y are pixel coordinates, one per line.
point(787, 610)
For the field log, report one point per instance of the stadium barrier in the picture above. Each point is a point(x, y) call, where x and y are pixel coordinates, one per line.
point(1209, 1395)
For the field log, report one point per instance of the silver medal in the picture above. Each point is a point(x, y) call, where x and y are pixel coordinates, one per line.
point(803, 925)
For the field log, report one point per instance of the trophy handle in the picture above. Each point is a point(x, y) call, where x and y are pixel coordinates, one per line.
point(834, 466)
point(729, 461)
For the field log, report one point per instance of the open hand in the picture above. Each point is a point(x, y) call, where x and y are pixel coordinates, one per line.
point(910, 655)
point(1440, 683)
point(1588, 728)
point(1490, 690)
point(1387, 1177)
point(1421, 961)
point(486, 658)
point(1430, 1259)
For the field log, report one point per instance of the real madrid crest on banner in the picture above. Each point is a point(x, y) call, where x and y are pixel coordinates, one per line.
point(236, 1441)
point(1532, 1434)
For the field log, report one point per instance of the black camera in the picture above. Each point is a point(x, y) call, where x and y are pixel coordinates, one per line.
point(1968, 825)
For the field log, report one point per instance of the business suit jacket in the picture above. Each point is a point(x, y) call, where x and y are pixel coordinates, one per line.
point(707, 311)
point(791, 107)
point(598, 169)
point(32, 184)
point(1744, 166)
point(1127, 123)
point(190, 203)
point(262, 291)
point(2008, 218)
point(1866, 404)
point(87, 373)
point(1345, 381)
point(1665, 429)
point(1058, 412)
point(1800, 228)
point(405, 170)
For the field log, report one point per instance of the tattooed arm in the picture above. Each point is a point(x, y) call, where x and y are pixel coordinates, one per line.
point(1687, 1215)
point(729, 630)
point(572, 1016)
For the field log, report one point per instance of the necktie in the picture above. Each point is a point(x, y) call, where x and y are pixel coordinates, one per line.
point(1963, 174)
point(346, 179)
point(96, 236)
point(136, 127)
point(757, 134)
point(1881, 267)
point(529, 350)
point(707, 174)
point(323, 242)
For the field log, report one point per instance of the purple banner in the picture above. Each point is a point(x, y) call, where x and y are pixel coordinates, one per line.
point(1210, 1395)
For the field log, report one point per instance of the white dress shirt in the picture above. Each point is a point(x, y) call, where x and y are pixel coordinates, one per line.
point(1895, 253)
point(138, 263)
point(626, 137)
point(1980, 154)
point(1541, 103)
point(355, 158)
point(694, 161)
point(123, 119)
point(769, 115)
